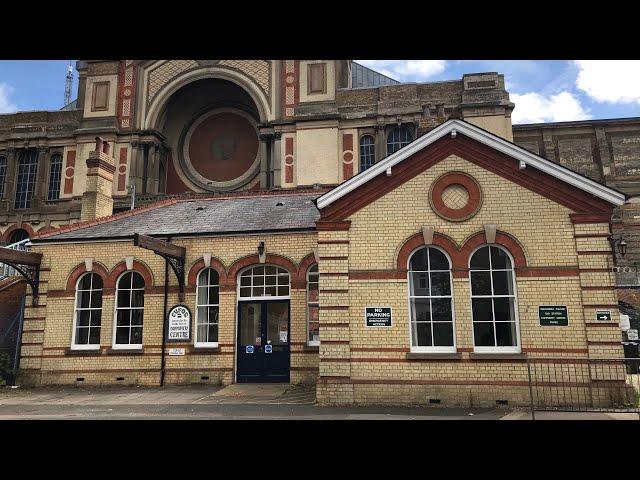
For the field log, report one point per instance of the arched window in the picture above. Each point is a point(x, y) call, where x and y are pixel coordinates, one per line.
point(207, 308)
point(431, 302)
point(493, 300)
point(3, 174)
point(26, 178)
point(88, 312)
point(129, 311)
point(18, 235)
point(264, 281)
point(313, 306)
point(398, 137)
point(367, 152)
point(55, 173)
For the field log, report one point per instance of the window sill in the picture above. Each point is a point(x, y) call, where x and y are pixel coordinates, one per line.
point(125, 351)
point(433, 356)
point(497, 356)
point(83, 351)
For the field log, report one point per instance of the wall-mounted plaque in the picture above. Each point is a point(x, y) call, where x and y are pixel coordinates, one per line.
point(553, 315)
point(378, 316)
point(179, 324)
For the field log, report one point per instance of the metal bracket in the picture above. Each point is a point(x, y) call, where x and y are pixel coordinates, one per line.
point(31, 274)
point(177, 265)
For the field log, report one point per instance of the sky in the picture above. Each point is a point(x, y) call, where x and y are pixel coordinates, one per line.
point(543, 90)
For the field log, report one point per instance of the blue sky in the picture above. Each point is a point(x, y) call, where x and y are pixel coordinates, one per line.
point(543, 91)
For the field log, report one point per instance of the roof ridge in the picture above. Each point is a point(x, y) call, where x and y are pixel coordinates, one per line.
point(107, 219)
point(310, 191)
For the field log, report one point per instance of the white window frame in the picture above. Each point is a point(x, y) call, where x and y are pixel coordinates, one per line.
point(126, 346)
point(431, 349)
point(262, 297)
point(196, 343)
point(312, 343)
point(85, 346)
point(496, 349)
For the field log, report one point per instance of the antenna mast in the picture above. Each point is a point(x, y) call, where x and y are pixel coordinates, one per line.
point(68, 84)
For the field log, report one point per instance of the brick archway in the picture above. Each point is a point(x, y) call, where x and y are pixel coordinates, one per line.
point(301, 275)
point(417, 240)
point(460, 255)
point(216, 264)
point(503, 239)
point(7, 234)
point(80, 270)
point(121, 267)
point(271, 259)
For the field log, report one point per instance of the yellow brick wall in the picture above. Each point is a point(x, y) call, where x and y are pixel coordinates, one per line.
point(51, 363)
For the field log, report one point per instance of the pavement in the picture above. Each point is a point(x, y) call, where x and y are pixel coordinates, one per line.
point(234, 402)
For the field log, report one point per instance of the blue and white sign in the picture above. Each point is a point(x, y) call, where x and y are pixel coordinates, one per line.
point(268, 348)
point(248, 349)
point(179, 324)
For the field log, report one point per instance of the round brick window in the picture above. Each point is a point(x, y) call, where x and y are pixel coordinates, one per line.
point(455, 196)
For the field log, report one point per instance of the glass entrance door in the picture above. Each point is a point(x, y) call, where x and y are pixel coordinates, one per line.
point(263, 341)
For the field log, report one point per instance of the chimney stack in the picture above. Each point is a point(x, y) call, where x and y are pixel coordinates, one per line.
point(97, 200)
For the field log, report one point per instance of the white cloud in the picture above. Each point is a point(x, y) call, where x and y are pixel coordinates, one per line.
point(5, 104)
point(535, 108)
point(407, 70)
point(612, 81)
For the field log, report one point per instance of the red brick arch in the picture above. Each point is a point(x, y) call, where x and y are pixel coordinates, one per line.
point(7, 234)
point(216, 264)
point(121, 267)
point(417, 240)
point(81, 269)
point(271, 259)
point(460, 256)
point(301, 275)
point(503, 239)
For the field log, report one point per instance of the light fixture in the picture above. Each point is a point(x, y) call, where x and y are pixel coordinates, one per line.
point(622, 245)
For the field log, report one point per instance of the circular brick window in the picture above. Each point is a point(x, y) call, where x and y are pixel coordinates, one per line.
point(455, 196)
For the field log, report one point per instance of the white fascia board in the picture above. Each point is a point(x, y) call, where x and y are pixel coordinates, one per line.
point(482, 136)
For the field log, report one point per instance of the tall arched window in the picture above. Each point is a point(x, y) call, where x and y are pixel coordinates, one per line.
point(264, 281)
point(367, 152)
point(55, 173)
point(3, 174)
point(207, 308)
point(129, 311)
point(399, 137)
point(431, 303)
point(313, 306)
point(88, 313)
point(26, 178)
point(493, 301)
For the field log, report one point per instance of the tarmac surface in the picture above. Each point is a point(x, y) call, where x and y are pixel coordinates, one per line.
point(234, 402)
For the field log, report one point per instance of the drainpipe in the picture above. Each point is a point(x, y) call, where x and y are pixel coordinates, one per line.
point(164, 318)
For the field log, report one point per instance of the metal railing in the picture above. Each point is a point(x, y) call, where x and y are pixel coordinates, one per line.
point(7, 270)
point(584, 384)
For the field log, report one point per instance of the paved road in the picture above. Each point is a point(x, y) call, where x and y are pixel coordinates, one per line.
point(247, 402)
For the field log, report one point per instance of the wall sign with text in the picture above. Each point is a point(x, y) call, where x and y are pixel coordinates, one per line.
point(553, 315)
point(378, 316)
point(179, 324)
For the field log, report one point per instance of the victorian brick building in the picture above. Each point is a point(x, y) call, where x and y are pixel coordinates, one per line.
point(301, 200)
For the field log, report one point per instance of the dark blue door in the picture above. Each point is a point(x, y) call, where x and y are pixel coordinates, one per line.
point(263, 341)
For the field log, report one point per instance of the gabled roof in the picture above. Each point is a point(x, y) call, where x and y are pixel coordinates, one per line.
point(454, 127)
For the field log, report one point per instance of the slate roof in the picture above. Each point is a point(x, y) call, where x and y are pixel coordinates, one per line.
point(254, 213)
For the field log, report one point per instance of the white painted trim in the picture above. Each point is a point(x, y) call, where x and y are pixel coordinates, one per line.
point(523, 156)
